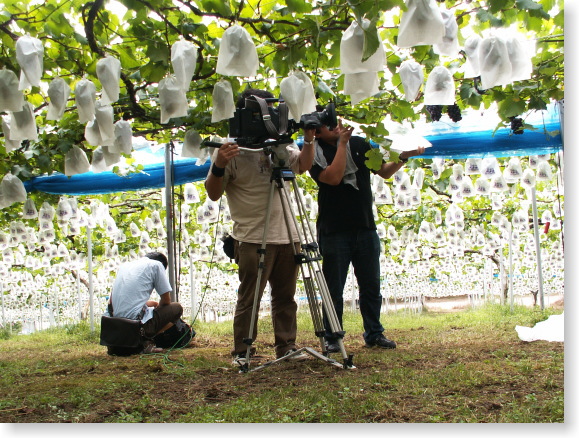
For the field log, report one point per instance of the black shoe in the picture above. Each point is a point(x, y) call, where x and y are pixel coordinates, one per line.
point(381, 341)
point(332, 347)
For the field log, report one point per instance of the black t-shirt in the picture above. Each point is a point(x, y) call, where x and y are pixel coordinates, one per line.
point(342, 207)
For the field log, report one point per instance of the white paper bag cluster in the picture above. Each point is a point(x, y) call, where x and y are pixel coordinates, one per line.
point(360, 77)
point(499, 59)
point(439, 89)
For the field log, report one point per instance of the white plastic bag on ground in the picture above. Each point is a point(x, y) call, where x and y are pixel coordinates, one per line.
point(12, 189)
point(298, 93)
point(223, 104)
point(58, 92)
point(495, 65)
point(108, 71)
point(237, 53)
point(439, 89)
point(184, 59)
point(412, 76)
point(23, 124)
point(552, 330)
point(29, 54)
point(360, 86)
point(172, 99)
point(9, 144)
point(421, 24)
point(472, 64)
point(352, 50)
point(75, 162)
point(449, 44)
point(11, 98)
point(85, 98)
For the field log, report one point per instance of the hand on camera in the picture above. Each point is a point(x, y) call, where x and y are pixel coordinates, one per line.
point(226, 152)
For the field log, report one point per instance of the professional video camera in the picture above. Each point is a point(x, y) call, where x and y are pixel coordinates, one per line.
point(259, 125)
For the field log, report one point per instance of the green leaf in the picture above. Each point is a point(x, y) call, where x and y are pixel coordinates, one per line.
point(374, 159)
point(299, 6)
point(371, 41)
point(511, 107)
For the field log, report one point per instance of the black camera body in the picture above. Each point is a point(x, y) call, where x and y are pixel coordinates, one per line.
point(259, 125)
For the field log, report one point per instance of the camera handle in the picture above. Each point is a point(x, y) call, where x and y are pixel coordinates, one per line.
point(313, 278)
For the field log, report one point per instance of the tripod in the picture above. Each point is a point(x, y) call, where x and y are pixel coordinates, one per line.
point(308, 260)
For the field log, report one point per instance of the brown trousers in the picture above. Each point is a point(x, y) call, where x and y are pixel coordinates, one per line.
point(161, 317)
point(281, 272)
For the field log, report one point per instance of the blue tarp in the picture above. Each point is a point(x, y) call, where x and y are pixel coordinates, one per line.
point(89, 183)
point(458, 141)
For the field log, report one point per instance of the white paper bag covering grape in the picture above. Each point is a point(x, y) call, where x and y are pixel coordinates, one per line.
point(360, 86)
point(192, 147)
point(105, 116)
point(98, 163)
point(298, 93)
point(495, 65)
point(472, 64)
point(184, 59)
point(92, 133)
point(75, 162)
point(108, 71)
point(29, 54)
point(421, 24)
point(12, 189)
point(123, 137)
point(237, 53)
point(223, 104)
point(111, 157)
point(352, 51)
point(58, 92)
point(412, 77)
point(9, 144)
point(449, 44)
point(439, 89)
point(85, 99)
point(520, 57)
point(29, 210)
point(11, 98)
point(172, 98)
point(23, 124)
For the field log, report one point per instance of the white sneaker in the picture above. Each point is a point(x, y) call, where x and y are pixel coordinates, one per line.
point(295, 357)
point(239, 360)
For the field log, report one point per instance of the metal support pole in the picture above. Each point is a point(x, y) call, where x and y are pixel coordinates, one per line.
point(538, 247)
point(169, 218)
point(90, 275)
point(511, 291)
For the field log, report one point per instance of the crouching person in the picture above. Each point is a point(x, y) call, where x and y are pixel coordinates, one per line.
point(130, 299)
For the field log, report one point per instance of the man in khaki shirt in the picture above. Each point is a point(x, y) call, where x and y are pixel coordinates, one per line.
point(245, 177)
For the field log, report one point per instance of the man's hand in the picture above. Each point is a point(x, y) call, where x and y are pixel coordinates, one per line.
point(407, 154)
point(226, 152)
point(345, 133)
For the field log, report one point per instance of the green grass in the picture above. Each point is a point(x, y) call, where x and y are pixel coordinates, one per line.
point(466, 366)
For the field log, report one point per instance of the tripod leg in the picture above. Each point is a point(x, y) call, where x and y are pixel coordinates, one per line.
point(249, 340)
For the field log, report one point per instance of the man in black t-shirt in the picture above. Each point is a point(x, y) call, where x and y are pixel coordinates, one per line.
point(346, 228)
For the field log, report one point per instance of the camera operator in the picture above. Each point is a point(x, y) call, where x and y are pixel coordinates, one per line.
point(346, 228)
point(245, 177)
